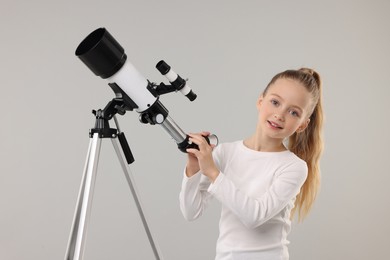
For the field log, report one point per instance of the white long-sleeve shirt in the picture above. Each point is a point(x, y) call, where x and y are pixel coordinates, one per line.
point(257, 191)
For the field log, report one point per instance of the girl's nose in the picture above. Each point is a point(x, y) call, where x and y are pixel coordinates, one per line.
point(279, 117)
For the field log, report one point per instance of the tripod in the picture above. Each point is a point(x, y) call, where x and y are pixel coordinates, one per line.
point(76, 244)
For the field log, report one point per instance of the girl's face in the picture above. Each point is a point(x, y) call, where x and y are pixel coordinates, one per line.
point(284, 109)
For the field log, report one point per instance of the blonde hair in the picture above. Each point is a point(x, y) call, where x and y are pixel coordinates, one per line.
point(307, 145)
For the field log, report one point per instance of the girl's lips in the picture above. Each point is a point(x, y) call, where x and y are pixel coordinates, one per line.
point(274, 125)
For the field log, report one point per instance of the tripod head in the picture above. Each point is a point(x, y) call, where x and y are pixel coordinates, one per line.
point(106, 58)
point(103, 129)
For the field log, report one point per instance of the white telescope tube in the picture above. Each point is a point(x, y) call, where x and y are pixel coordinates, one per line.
point(130, 80)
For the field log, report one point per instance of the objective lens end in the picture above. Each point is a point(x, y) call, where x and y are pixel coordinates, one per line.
point(101, 53)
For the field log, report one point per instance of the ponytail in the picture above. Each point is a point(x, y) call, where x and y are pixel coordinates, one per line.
point(307, 145)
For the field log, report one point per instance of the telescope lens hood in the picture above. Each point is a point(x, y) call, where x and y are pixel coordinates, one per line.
point(101, 53)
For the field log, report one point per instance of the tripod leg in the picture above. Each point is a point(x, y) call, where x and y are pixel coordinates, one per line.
point(77, 237)
point(131, 182)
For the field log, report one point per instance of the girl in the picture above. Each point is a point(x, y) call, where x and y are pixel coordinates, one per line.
point(258, 180)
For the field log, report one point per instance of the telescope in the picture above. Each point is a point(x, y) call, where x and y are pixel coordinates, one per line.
point(106, 58)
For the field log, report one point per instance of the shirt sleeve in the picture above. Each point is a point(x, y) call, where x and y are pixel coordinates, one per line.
point(194, 196)
point(253, 212)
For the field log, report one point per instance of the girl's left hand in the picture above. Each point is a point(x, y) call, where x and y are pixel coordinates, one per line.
point(204, 156)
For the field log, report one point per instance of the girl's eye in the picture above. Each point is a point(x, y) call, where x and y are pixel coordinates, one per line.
point(294, 113)
point(274, 102)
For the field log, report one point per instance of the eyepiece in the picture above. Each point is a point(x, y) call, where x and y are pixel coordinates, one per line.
point(163, 67)
point(191, 96)
point(101, 53)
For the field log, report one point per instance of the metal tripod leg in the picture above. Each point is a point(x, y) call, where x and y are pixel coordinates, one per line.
point(76, 244)
point(133, 189)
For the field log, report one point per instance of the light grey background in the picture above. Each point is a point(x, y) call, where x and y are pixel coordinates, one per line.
point(229, 50)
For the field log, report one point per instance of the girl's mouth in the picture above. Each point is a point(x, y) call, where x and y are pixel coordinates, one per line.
point(274, 125)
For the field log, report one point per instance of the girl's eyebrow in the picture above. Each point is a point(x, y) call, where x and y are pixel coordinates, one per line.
point(294, 106)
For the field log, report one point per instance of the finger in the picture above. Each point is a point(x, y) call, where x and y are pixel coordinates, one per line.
point(196, 139)
point(201, 143)
point(193, 151)
point(199, 137)
point(205, 133)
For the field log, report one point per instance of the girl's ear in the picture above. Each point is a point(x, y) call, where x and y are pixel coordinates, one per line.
point(303, 126)
point(259, 101)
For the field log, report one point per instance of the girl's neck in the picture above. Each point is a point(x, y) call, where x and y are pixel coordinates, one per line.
point(258, 143)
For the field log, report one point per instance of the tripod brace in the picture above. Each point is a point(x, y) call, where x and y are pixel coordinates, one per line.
point(76, 244)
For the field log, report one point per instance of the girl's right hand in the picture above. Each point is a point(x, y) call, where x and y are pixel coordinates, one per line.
point(192, 162)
